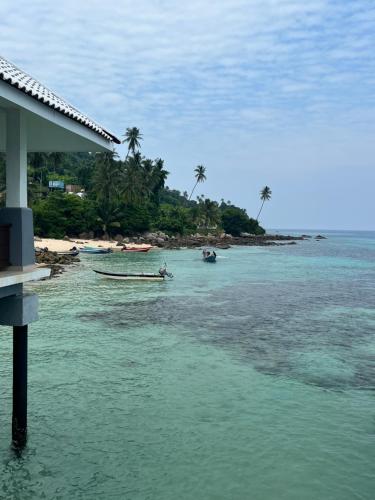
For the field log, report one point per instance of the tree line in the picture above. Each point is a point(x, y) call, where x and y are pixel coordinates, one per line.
point(127, 197)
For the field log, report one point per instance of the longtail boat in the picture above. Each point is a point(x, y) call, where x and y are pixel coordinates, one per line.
point(71, 253)
point(208, 256)
point(160, 276)
point(95, 250)
point(144, 248)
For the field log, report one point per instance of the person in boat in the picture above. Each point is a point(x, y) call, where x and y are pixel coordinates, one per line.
point(214, 253)
point(73, 249)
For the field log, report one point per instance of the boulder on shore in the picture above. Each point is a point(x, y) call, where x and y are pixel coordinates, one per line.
point(54, 261)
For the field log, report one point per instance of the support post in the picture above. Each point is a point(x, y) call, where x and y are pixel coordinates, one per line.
point(19, 418)
point(16, 159)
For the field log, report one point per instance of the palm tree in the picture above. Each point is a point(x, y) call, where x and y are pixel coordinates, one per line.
point(200, 175)
point(209, 211)
point(107, 178)
point(265, 195)
point(134, 188)
point(133, 137)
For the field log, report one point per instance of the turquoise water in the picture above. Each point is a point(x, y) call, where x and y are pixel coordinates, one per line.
point(252, 378)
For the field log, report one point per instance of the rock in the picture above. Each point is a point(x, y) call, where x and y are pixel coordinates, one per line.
point(125, 240)
point(66, 238)
point(245, 235)
point(118, 238)
point(150, 236)
point(160, 240)
point(54, 261)
point(119, 244)
point(320, 237)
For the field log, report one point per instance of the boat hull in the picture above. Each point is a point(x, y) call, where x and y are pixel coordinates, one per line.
point(132, 250)
point(210, 258)
point(130, 276)
point(95, 250)
point(73, 253)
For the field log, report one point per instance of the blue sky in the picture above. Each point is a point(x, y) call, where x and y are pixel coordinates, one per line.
point(276, 92)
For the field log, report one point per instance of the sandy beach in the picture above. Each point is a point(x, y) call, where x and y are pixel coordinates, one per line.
point(54, 245)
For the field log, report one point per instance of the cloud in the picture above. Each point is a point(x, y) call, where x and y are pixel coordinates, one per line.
point(224, 70)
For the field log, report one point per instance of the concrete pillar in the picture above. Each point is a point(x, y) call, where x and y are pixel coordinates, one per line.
point(16, 159)
point(19, 417)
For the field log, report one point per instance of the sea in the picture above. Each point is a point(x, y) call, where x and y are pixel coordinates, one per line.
point(251, 378)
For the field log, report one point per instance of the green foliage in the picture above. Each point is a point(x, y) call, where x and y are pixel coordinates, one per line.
point(236, 221)
point(175, 220)
point(135, 219)
point(62, 214)
point(126, 196)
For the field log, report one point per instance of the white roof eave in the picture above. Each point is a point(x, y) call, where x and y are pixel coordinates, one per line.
point(74, 135)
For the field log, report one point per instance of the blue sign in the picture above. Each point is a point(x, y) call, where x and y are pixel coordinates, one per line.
point(56, 184)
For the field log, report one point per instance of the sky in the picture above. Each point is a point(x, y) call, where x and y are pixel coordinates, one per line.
point(261, 92)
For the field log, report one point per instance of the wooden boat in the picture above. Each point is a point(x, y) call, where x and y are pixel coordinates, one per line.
point(95, 250)
point(208, 256)
point(132, 276)
point(71, 253)
point(144, 248)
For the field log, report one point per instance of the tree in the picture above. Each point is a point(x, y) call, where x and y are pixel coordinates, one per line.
point(236, 221)
point(265, 195)
point(108, 217)
point(134, 188)
point(61, 214)
point(209, 212)
point(132, 137)
point(200, 175)
point(107, 178)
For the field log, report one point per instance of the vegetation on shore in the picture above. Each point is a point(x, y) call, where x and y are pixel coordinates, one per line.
point(126, 197)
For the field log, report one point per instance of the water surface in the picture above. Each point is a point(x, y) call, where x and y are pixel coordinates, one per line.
point(252, 378)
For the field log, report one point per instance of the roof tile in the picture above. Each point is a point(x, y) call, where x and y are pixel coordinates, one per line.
point(24, 82)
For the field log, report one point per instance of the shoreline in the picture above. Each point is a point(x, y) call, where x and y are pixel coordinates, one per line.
point(160, 240)
point(50, 251)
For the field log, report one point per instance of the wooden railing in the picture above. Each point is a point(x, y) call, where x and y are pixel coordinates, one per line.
point(4, 245)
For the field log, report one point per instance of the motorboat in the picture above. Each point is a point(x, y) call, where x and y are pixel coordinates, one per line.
point(209, 255)
point(95, 250)
point(160, 276)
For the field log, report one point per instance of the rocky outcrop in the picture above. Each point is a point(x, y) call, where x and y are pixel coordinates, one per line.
point(54, 261)
point(223, 241)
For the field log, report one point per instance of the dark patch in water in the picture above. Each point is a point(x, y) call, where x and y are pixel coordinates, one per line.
point(281, 329)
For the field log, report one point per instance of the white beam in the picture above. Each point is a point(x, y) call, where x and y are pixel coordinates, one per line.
point(67, 134)
point(16, 158)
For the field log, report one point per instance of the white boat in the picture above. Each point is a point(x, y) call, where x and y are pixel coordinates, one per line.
point(160, 276)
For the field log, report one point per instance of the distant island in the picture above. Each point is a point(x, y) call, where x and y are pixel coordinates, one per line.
point(102, 196)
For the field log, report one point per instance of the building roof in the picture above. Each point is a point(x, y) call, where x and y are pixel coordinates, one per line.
point(28, 85)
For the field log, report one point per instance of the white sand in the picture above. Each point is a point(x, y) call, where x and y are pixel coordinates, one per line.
point(63, 246)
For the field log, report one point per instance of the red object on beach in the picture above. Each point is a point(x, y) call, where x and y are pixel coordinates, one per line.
point(136, 249)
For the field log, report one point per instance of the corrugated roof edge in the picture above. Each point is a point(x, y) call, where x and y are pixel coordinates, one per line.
point(75, 115)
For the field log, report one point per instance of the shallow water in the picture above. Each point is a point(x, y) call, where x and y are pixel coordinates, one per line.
point(252, 378)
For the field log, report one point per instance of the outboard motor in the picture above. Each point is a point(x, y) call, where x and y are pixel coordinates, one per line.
point(163, 272)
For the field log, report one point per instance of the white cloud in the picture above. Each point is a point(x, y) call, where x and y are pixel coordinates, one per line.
point(223, 71)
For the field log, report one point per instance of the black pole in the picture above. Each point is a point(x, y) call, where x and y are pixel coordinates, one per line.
point(19, 419)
